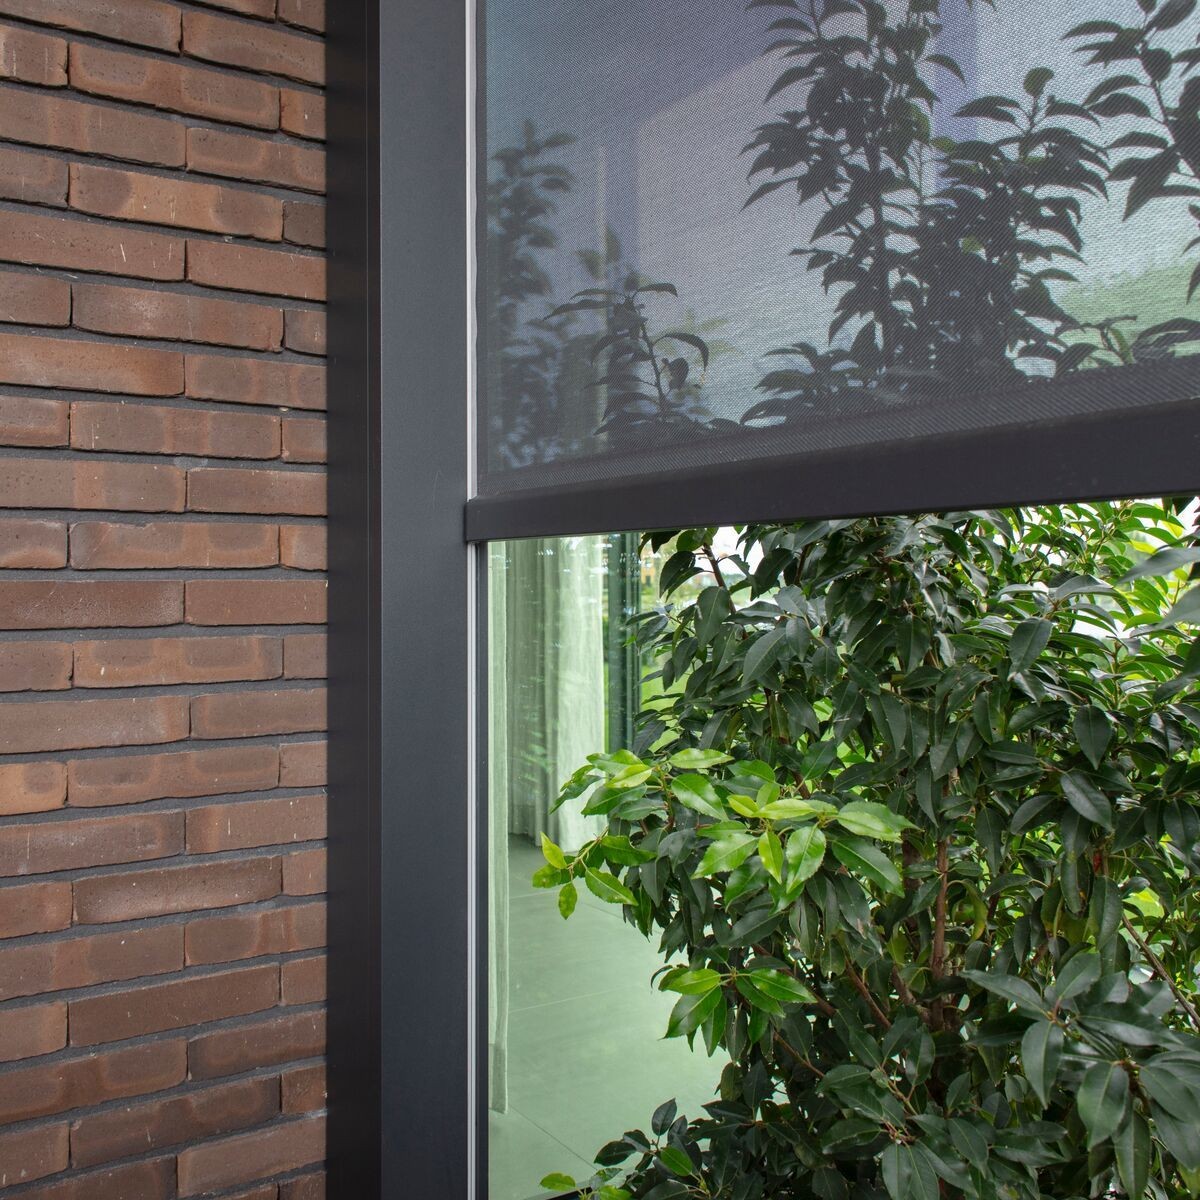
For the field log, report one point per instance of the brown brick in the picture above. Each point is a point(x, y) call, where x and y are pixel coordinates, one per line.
point(242, 156)
point(153, 662)
point(100, 782)
point(303, 1089)
point(83, 961)
point(271, 51)
point(302, 981)
point(251, 1156)
point(77, 245)
point(34, 666)
point(143, 22)
point(252, 269)
point(150, 1180)
point(307, 14)
point(90, 366)
point(32, 787)
point(253, 823)
point(304, 656)
point(85, 724)
point(32, 421)
point(32, 57)
point(304, 224)
point(48, 604)
point(183, 204)
point(33, 1154)
point(256, 714)
point(31, 543)
point(235, 936)
point(302, 764)
point(303, 440)
point(42, 1091)
point(63, 483)
point(118, 1133)
point(231, 490)
point(34, 299)
point(149, 313)
point(148, 429)
point(99, 545)
point(303, 1187)
point(302, 114)
point(92, 842)
point(103, 899)
point(255, 381)
point(255, 601)
point(139, 79)
point(303, 547)
point(285, 1038)
point(305, 331)
point(31, 1031)
point(304, 870)
point(32, 178)
point(45, 119)
point(34, 908)
point(173, 1005)
point(263, 9)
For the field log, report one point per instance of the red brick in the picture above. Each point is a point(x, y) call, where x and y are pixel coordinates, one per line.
point(304, 656)
point(32, 421)
point(255, 381)
point(90, 366)
point(234, 936)
point(91, 842)
point(45, 119)
point(99, 545)
point(35, 666)
point(33, 1154)
point(32, 178)
point(302, 114)
point(307, 14)
point(153, 662)
point(101, 1137)
point(263, 9)
point(242, 156)
point(232, 490)
point(272, 1151)
point(304, 870)
point(34, 299)
point(32, 787)
point(302, 764)
point(305, 331)
point(303, 1089)
point(174, 1005)
point(183, 204)
point(303, 441)
point(303, 547)
point(149, 313)
point(48, 604)
point(142, 22)
point(256, 714)
point(148, 429)
point(83, 961)
point(42, 1091)
point(303, 1187)
point(133, 779)
point(256, 601)
point(32, 1031)
point(253, 823)
point(304, 224)
point(32, 57)
point(34, 908)
point(284, 1038)
point(150, 1180)
point(302, 981)
point(102, 899)
point(75, 245)
point(271, 51)
point(139, 79)
point(63, 483)
point(32, 543)
point(252, 269)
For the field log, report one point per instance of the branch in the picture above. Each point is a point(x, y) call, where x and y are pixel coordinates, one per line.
point(861, 988)
point(1161, 971)
point(710, 554)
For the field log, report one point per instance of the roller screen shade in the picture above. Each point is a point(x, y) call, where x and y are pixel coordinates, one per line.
point(717, 231)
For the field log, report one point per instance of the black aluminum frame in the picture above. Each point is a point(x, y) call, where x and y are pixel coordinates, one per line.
point(404, 684)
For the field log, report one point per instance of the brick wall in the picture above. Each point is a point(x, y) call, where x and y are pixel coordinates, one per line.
point(162, 592)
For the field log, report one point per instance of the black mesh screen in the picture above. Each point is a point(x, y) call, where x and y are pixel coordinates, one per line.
point(720, 231)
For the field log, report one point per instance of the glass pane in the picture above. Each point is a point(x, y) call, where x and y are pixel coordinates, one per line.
point(720, 230)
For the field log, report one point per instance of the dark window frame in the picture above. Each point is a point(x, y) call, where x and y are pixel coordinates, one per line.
point(404, 558)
